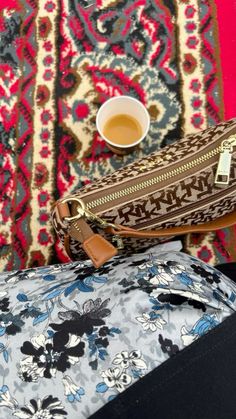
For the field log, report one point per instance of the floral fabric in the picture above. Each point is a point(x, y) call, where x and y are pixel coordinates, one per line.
point(72, 337)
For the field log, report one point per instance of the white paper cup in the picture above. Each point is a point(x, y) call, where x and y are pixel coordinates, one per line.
point(123, 105)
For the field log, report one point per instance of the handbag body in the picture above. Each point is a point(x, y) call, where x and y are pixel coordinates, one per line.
point(188, 186)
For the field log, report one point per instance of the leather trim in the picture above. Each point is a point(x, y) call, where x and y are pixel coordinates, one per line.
point(80, 230)
point(221, 222)
point(99, 250)
point(63, 210)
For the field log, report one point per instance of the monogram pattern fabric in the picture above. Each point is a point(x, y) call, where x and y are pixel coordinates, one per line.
point(137, 245)
point(188, 199)
point(187, 146)
point(191, 193)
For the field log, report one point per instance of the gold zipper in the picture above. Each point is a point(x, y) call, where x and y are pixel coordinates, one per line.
point(226, 147)
point(222, 177)
point(150, 182)
point(224, 164)
point(83, 209)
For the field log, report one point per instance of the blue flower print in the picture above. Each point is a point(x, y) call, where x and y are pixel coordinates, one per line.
point(170, 271)
point(154, 273)
point(201, 327)
point(72, 391)
point(85, 285)
point(186, 280)
point(4, 351)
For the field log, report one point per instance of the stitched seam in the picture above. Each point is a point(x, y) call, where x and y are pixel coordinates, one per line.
point(120, 405)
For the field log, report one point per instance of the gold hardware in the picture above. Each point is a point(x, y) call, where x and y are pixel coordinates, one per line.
point(224, 164)
point(225, 160)
point(150, 182)
point(118, 241)
point(80, 208)
point(83, 211)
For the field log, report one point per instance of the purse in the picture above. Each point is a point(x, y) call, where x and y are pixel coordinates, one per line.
point(189, 186)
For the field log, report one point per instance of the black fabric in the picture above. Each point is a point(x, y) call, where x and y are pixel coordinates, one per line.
point(229, 269)
point(197, 383)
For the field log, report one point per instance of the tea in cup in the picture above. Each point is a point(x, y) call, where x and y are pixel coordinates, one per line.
point(123, 122)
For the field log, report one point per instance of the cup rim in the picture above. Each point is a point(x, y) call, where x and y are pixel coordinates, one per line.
point(123, 145)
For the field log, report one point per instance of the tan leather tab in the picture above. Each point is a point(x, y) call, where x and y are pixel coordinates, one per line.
point(63, 210)
point(221, 222)
point(80, 230)
point(99, 250)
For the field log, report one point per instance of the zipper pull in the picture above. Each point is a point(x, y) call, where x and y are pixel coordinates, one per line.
point(224, 164)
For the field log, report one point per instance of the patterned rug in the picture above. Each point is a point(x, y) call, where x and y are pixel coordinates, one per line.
point(220, 247)
point(59, 61)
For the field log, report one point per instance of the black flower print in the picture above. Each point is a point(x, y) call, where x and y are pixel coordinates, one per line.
point(28, 372)
point(220, 295)
point(10, 324)
point(98, 342)
point(173, 299)
point(131, 359)
point(80, 323)
point(4, 304)
point(167, 346)
point(104, 331)
point(50, 407)
point(197, 304)
point(46, 356)
point(138, 262)
point(178, 300)
point(86, 271)
point(116, 378)
point(102, 342)
point(23, 275)
point(125, 283)
point(171, 265)
point(210, 277)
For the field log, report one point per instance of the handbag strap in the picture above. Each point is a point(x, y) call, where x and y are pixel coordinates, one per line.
point(100, 250)
point(221, 222)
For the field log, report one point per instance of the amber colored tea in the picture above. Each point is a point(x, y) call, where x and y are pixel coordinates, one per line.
point(122, 129)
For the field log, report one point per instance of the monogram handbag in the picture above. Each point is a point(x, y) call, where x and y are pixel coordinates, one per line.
point(189, 186)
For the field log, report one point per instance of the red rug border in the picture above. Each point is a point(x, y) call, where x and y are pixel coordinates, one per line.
point(227, 37)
